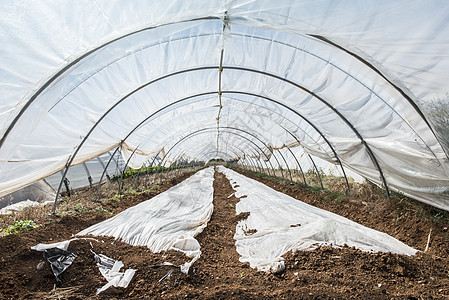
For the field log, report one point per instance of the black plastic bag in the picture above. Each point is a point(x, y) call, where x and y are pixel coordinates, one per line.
point(59, 261)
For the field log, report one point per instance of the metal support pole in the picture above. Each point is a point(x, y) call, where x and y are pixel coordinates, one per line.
point(66, 183)
point(279, 165)
point(256, 161)
point(317, 172)
point(89, 178)
point(299, 165)
point(286, 164)
point(104, 168)
point(123, 172)
point(258, 165)
point(102, 174)
point(337, 112)
point(137, 177)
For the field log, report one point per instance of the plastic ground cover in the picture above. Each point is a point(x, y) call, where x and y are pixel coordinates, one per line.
point(283, 223)
point(168, 221)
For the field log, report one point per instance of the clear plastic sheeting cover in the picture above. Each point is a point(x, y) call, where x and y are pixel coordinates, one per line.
point(356, 82)
point(37, 192)
point(19, 206)
point(283, 224)
point(168, 221)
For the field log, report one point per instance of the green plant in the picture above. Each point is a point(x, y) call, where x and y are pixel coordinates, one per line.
point(146, 170)
point(105, 211)
point(314, 188)
point(79, 208)
point(241, 277)
point(340, 197)
point(131, 191)
point(117, 197)
point(20, 226)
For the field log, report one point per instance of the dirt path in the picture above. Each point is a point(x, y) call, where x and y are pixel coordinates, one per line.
point(320, 274)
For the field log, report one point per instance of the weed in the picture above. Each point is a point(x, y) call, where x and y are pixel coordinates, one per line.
point(20, 226)
point(152, 189)
point(105, 211)
point(400, 216)
point(117, 197)
point(314, 188)
point(131, 191)
point(439, 217)
point(340, 197)
point(241, 277)
point(79, 208)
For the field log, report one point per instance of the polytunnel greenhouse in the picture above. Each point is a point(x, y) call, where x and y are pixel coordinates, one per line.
point(224, 149)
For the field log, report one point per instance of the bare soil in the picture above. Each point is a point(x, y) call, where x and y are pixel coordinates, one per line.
point(320, 274)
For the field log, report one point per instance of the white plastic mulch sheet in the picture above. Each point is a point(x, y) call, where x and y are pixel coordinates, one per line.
point(168, 221)
point(284, 223)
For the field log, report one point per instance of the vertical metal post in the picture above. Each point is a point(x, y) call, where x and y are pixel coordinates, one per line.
point(137, 177)
point(286, 164)
point(102, 174)
point(299, 165)
point(89, 178)
point(280, 167)
point(102, 165)
point(318, 172)
point(124, 170)
point(64, 181)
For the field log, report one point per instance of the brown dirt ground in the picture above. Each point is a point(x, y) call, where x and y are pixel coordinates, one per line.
point(320, 274)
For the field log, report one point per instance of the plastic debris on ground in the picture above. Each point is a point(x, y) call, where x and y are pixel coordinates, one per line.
point(278, 223)
point(166, 276)
point(64, 245)
point(19, 206)
point(168, 221)
point(59, 261)
point(57, 256)
point(110, 269)
point(162, 264)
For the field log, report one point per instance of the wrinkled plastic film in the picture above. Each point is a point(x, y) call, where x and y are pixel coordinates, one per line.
point(168, 221)
point(380, 67)
point(279, 224)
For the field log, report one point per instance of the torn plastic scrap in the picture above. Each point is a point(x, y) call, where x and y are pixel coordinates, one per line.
point(57, 256)
point(59, 261)
point(190, 247)
point(110, 269)
point(64, 245)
